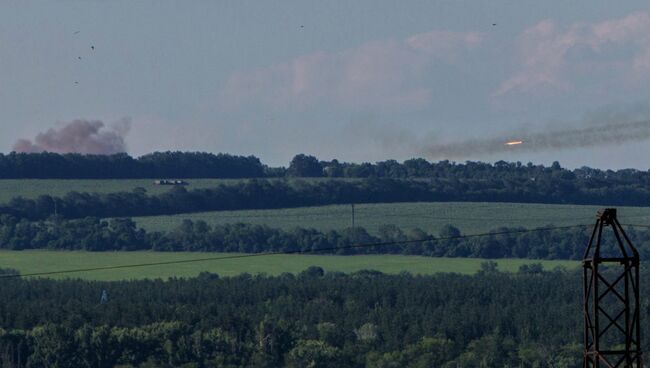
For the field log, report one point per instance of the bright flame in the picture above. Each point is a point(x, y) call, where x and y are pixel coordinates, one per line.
point(513, 143)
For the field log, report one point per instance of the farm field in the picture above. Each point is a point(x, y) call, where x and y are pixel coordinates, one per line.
point(32, 188)
point(27, 262)
point(470, 217)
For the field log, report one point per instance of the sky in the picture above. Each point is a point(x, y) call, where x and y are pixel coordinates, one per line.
point(363, 80)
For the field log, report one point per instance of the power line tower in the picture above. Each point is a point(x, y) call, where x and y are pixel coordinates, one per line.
point(611, 297)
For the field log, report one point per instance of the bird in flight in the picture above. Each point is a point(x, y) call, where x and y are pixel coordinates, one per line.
point(494, 24)
point(92, 47)
point(79, 57)
point(76, 32)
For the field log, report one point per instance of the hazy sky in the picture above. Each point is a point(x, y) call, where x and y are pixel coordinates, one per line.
point(353, 80)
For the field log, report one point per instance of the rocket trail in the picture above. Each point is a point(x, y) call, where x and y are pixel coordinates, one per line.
point(561, 139)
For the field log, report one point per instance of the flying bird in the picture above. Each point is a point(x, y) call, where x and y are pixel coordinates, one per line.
point(494, 24)
point(76, 32)
point(92, 47)
point(79, 57)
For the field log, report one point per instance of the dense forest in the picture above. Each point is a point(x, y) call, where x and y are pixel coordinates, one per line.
point(314, 319)
point(184, 165)
point(122, 166)
point(94, 234)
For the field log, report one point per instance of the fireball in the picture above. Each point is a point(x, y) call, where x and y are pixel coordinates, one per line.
point(513, 143)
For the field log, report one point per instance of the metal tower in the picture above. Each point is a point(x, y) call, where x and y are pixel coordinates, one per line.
point(611, 297)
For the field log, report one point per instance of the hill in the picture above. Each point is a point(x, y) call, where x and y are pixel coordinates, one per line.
point(469, 217)
point(38, 261)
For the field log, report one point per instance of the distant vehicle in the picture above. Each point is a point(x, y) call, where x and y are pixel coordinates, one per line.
point(170, 182)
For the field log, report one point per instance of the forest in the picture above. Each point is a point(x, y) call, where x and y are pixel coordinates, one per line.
point(94, 234)
point(122, 166)
point(185, 165)
point(314, 319)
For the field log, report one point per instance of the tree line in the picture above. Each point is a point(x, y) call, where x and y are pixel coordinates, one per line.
point(94, 234)
point(185, 165)
point(312, 319)
point(273, 194)
point(122, 166)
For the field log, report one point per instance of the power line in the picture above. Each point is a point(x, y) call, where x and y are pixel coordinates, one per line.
point(214, 215)
point(637, 225)
point(240, 256)
point(370, 212)
point(366, 215)
point(449, 218)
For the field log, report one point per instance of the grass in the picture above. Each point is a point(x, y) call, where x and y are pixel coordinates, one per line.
point(50, 261)
point(32, 188)
point(470, 217)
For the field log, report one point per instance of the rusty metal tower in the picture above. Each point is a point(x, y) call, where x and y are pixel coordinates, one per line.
point(611, 297)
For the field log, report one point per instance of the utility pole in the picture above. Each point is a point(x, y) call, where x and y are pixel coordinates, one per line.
point(612, 333)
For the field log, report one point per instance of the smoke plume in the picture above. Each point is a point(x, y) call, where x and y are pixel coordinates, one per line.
point(595, 135)
point(80, 136)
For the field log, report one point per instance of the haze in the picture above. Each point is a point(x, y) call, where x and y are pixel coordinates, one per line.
point(358, 81)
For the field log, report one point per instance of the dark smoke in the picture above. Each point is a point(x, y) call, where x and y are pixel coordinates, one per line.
point(79, 136)
point(598, 135)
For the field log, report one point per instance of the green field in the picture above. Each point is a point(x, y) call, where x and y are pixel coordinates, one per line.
point(32, 188)
point(51, 261)
point(470, 217)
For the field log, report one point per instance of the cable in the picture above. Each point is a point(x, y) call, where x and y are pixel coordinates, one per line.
point(637, 225)
point(239, 256)
point(367, 210)
point(340, 209)
point(635, 216)
point(216, 215)
point(449, 218)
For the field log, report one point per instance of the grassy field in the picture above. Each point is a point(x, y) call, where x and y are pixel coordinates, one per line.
point(51, 261)
point(468, 216)
point(32, 188)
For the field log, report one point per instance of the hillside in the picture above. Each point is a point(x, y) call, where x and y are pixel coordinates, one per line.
point(469, 217)
point(39, 261)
